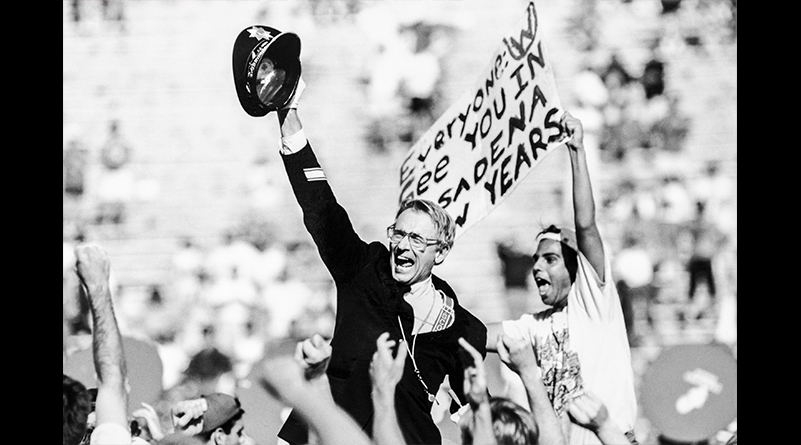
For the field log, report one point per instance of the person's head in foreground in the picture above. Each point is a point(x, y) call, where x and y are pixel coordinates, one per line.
point(511, 424)
point(420, 238)
point(555, 264)
point(222, 422)
point(76, 406)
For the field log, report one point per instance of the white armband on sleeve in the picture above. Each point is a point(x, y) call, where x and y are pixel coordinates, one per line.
point(293, 143)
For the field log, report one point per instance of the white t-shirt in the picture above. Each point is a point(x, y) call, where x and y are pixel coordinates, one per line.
point(597, 336)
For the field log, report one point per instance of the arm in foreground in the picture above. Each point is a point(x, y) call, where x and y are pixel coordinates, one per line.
point(385, 373)
point(92, 266)
point(518, 355)
point(479, 424)
point(284, 378)
point(589, 411)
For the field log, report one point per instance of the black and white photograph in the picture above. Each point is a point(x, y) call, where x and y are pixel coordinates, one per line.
point(399, 222)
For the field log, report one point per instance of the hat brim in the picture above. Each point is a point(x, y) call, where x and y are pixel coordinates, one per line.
point(284, 51)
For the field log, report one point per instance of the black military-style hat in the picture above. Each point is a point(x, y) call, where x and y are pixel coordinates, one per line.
point(266, 65)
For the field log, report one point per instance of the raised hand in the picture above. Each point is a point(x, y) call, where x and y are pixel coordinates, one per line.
point(574, 130)
point(588, 411)
point(475, 377)
point(283, 378)
point(187, 415)
point(386, 370)
point(148, 413)
point(313, 354)
point(517, 354)
point(295, 99)
point(92, 265)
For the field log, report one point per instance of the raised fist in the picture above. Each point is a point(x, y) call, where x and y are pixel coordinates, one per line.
point(92, 265)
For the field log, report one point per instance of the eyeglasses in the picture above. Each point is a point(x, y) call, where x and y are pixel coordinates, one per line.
point(418, 242)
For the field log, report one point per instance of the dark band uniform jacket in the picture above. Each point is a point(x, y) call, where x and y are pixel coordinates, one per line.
point(369, 302)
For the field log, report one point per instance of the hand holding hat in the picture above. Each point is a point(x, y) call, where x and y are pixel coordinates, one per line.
point(266, 68)
point(292, 103)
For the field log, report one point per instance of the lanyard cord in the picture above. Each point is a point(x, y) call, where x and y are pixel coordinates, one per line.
point(410, 351)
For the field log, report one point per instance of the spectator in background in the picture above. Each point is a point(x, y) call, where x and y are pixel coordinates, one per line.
point(661, 118)
point(384, 104)
point(420, 79)
point(75, 11)
point(234, 287)
point(74, 163)
point(653, 77)
point(285, 301)
point(113, 11)
point(515, 268)
point(707, 241)
point(622, 131)
point(674, 201)
point(635, 270)
point(115, 188)
point(233, 253)
point(188, 259)
point(717, 191)
point(75, 158)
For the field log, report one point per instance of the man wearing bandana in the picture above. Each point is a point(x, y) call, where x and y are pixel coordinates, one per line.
point(580, 340)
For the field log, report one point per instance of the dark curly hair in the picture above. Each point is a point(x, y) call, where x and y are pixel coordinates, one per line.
point(76, 406)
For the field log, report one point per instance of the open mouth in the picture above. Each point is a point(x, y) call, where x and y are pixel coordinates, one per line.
point(542, 285)
point(403, 262)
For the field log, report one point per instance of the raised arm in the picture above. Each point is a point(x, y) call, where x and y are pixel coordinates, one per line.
point(329, 225)
point(385, 373)
point(92, 266)
point(480, 427)
point(587, 234)
point(283, 377)
point(518, 355)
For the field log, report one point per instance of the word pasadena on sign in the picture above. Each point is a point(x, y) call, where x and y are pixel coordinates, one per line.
point(479, 150)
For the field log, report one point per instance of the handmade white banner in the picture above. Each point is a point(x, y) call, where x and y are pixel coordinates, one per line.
point(489, 140)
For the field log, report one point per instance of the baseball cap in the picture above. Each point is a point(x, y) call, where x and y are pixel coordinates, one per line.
point(221, 409)
point(266, 64)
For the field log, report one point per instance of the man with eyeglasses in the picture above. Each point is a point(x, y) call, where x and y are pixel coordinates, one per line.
point(381, 289)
